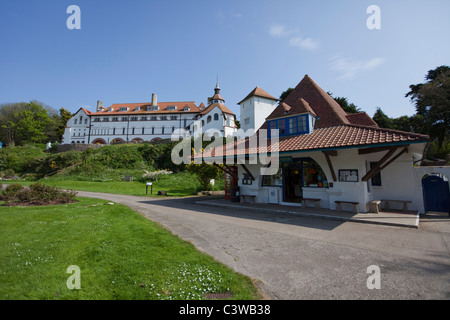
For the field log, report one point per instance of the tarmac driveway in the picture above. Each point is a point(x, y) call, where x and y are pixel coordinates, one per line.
point(292, 257)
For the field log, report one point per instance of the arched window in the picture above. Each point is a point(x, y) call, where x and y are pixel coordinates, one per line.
point(216, 116)
point(208, 120)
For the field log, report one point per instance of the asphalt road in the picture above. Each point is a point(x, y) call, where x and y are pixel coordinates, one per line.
point(293, 257)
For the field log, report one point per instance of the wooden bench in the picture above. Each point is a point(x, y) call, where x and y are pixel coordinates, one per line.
point(251, 198)
point(316, 204)
point(127, 178)
point(339, 205)
point(404, 202)
point(374, 206)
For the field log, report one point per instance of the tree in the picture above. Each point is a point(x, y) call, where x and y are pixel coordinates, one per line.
point(205, 172)
point(22, 123)
point(285, 93)
point(382, 119)
point(432, 100)
point(343, 102)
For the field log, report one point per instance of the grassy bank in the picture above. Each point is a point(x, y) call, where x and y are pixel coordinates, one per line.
point(121, 255)
point(102, 170)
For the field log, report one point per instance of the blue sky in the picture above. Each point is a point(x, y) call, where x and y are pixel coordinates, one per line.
point(127, 50)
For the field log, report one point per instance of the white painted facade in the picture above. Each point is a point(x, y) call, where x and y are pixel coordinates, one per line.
point(398, 180)
point(146, 122)
point(215, 119)
point(254, 111)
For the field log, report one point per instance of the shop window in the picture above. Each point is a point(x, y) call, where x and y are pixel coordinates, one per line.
point(275, 180)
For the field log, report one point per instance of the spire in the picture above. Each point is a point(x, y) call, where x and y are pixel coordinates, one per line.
point(217, 88)
point(217, 98)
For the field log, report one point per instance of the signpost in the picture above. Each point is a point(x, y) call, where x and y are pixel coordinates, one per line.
point(151, 188)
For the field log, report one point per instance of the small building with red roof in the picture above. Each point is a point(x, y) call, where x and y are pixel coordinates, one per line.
point(310, 151)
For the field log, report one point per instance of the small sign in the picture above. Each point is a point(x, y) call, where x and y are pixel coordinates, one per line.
point(348, 175)
point(149, 183)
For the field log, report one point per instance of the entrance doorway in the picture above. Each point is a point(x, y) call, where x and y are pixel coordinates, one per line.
point(436, 194)
point(231, 181)
point(293, 191)
point(299, 173)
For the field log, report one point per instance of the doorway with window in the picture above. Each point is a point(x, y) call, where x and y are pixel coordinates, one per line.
point(298, 174)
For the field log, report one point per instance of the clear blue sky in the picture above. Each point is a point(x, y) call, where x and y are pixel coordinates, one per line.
point(127, 50)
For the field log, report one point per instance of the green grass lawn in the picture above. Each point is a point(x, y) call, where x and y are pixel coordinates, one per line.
point(121, 255)
point(177, 185)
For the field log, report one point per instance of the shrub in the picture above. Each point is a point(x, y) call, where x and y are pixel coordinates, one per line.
point(36, 194)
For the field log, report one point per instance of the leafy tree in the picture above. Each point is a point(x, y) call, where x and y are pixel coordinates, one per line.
point(382, 119)
point(285, 93)
point(343, 102)
point(432, 100)
point(32, 123)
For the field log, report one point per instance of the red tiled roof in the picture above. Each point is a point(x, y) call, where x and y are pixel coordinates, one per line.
point(222, 107)
point(87, 111)
point(325, 107)
point(361, 118)
point(259, 93)
point(284, 109)
point(162, 108)
point(344, 136)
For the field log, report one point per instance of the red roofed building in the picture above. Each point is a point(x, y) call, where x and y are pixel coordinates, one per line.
point(147, 121)
point(321, 154)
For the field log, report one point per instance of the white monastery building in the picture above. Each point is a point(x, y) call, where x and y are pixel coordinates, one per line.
point(148, 121)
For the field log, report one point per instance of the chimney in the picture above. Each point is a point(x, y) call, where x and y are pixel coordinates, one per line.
point(99, 106)
point(154, 100)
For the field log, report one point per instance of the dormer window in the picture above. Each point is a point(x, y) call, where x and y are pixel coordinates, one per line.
point(153, 108)
point(170, 108)
point(295, 125)
point(186, 109)
point(122, 109)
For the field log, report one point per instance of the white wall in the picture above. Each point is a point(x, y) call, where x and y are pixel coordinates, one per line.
point(77, 131)
point(399, 182)
point(256, 109)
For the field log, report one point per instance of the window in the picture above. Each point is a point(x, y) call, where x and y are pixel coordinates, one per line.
point(153, 118)
point(134, 118)
point(246, 179)
point(163, 118)
point(123, 131)
point(75, 121)
point(216, 116)
point(171, 107)
point(162, 130)
point(143, 119)
point(115, 119)
point(208, 120)
point(273, 180)
point(247, 120)
point(153, 130)
point(124, 119)
point(290, 126)
point(376, 179)
point(173, 117)
point(143, 129)
point(85, 121)
point(293, 124)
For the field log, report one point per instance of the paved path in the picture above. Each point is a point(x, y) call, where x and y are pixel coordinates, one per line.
point(294, 257)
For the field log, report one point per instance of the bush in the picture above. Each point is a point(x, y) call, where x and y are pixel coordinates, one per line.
point(36, 194)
